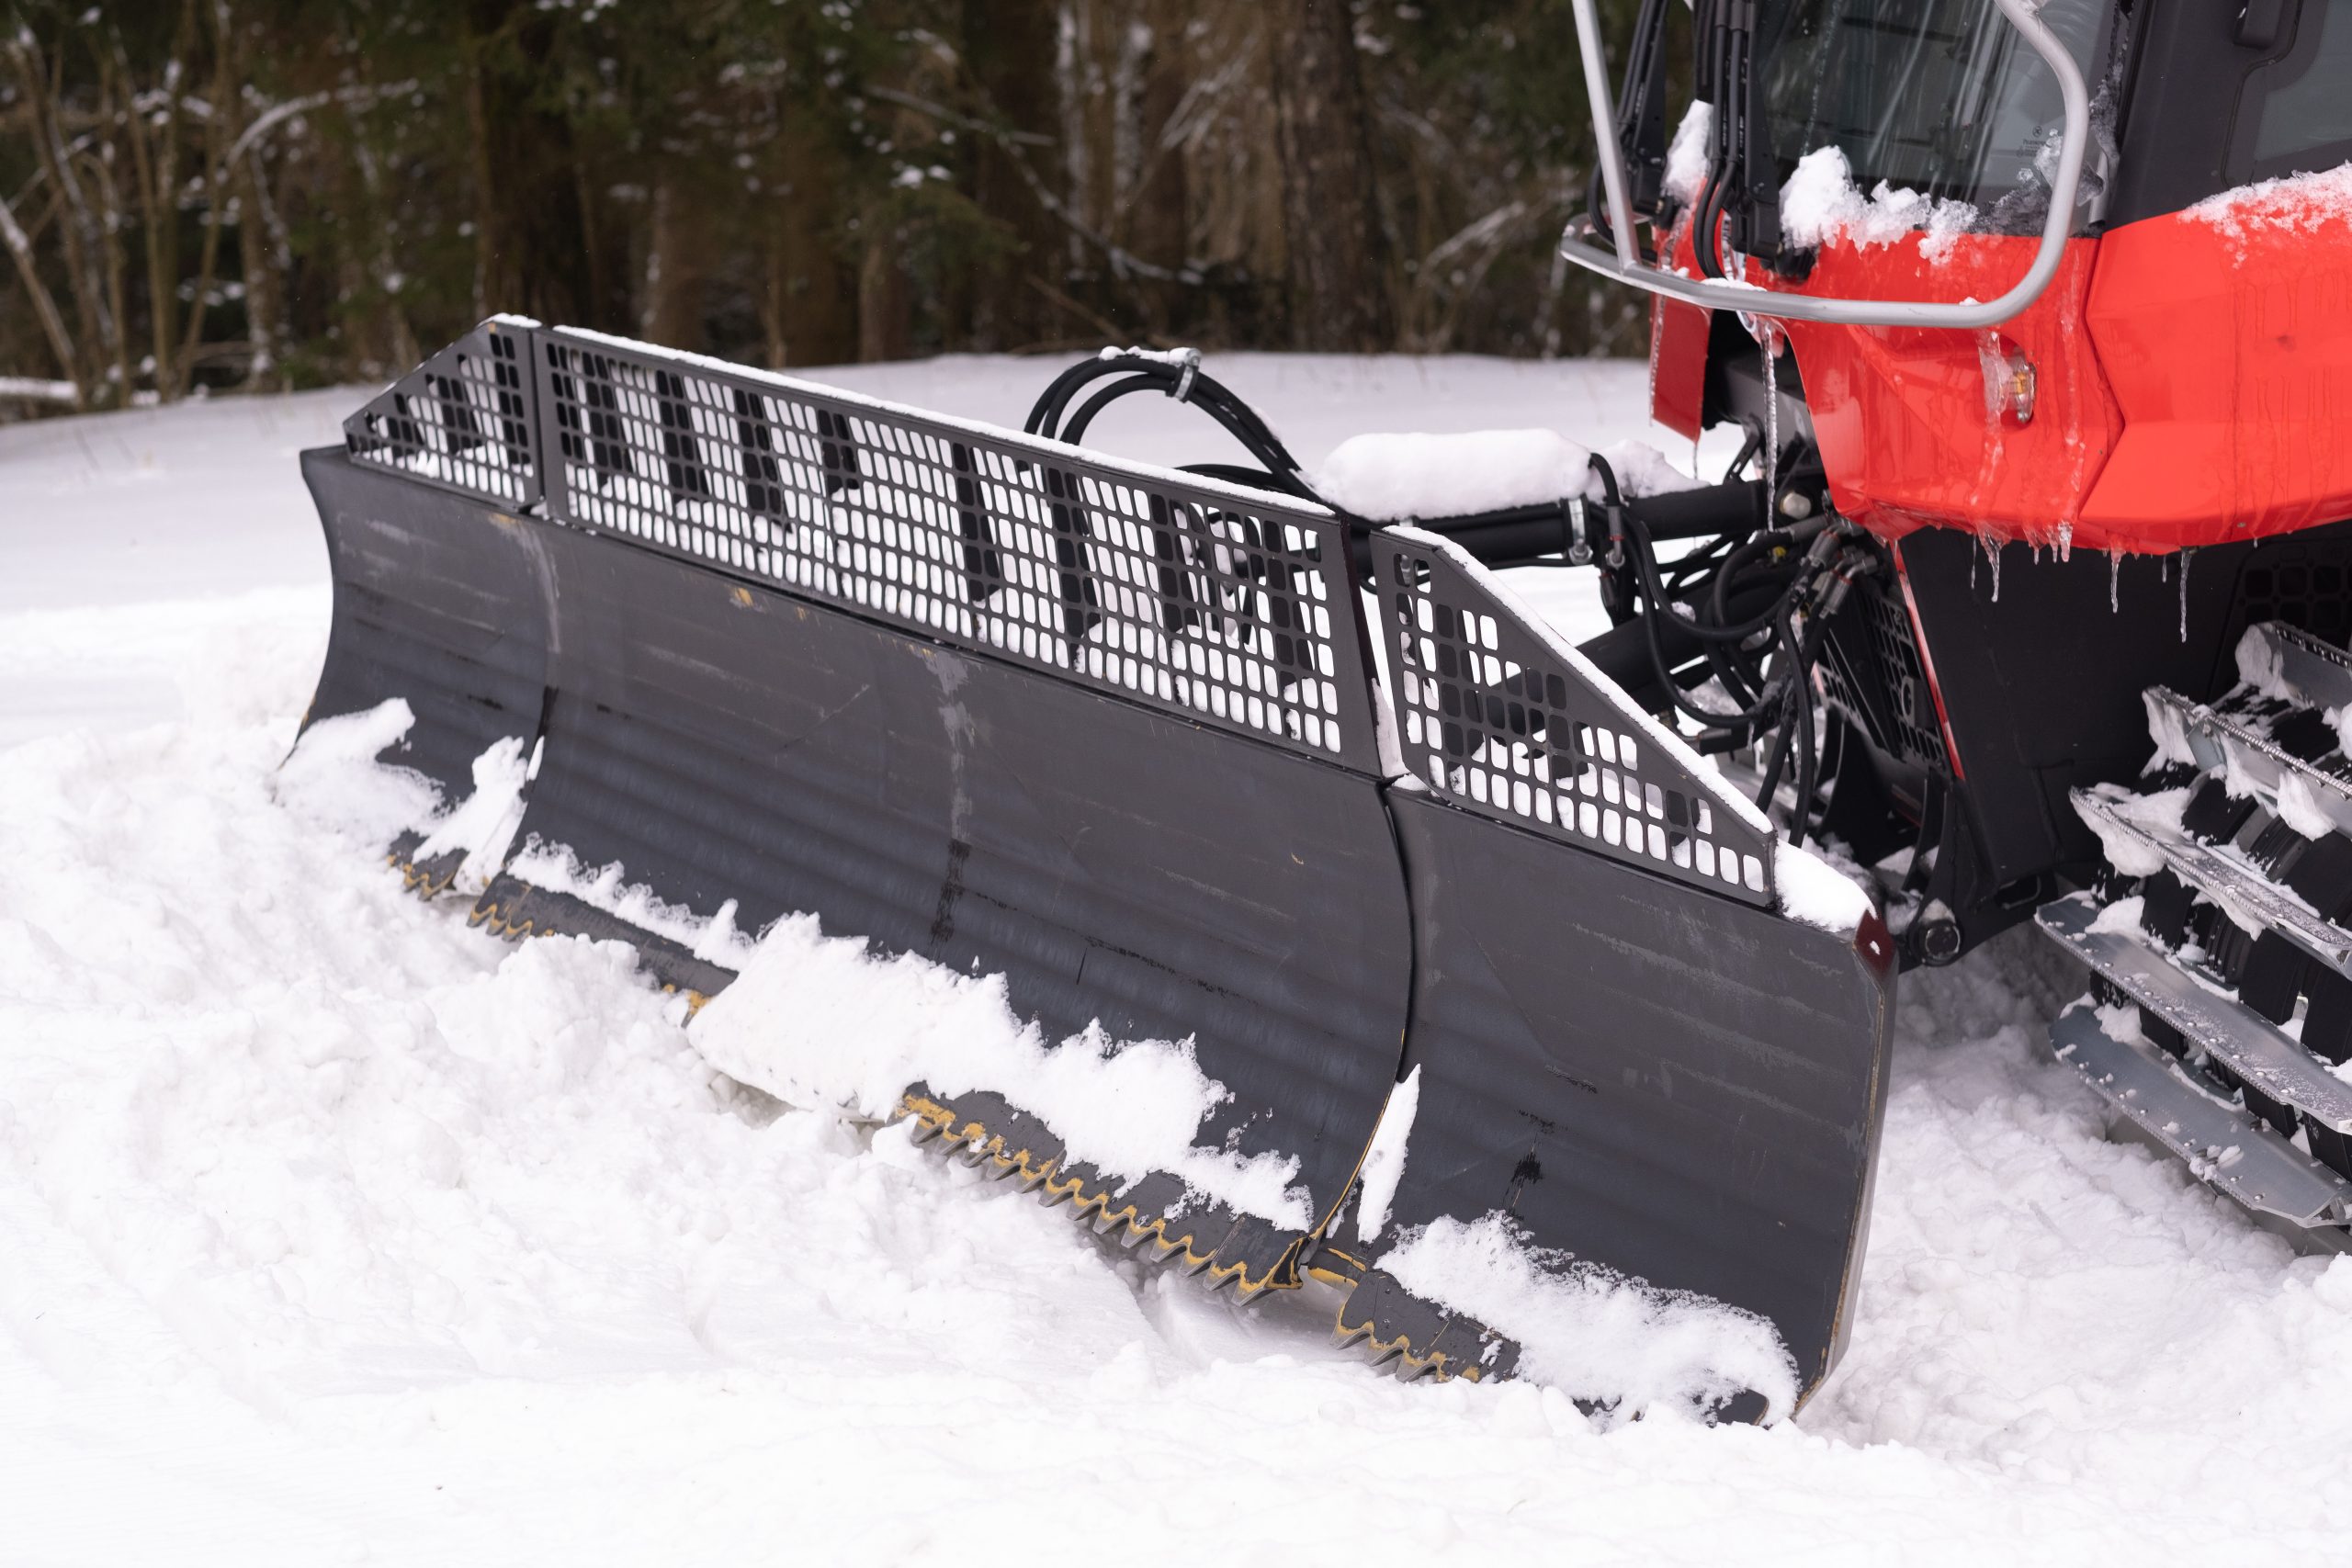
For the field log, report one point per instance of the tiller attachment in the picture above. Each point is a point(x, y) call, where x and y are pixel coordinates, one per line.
point(1145, 744)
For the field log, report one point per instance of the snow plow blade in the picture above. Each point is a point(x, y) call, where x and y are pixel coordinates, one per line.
point(1139, 742)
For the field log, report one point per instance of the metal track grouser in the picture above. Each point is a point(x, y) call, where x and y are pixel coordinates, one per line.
point(1203, 755)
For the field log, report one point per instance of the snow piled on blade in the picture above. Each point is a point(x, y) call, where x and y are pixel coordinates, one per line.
point(1383, 1160)
point(1820, 203)
point(484, 824)
point(1594, 1335)
point(2295, 204)
point(713, 939)
point(335, 778)
point(1393, 478)
point(824, 1024)
point(1814, 892)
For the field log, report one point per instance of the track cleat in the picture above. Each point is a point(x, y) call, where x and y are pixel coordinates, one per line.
point(2219, 942)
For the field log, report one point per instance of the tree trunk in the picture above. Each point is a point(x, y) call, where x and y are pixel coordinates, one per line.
point(1160, 227)
point(1336, 251)
point(808, 309)
point(264, 279)
point(530, 245)
point(883, 306)
point(1009, 52)
point(52, 325)
point(78, 228)
point(670, 305)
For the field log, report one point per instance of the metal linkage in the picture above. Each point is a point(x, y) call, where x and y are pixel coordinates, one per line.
point(464, 419)
point(1500, 718)
point(1205, 600)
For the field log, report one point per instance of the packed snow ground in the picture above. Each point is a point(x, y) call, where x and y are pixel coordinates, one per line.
point(331, 1230)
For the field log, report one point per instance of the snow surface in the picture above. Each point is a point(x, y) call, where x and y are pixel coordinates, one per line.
point(337, 1230)
point(1820, 204)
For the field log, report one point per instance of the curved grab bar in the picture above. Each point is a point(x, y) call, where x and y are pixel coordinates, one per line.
point(1624, 264)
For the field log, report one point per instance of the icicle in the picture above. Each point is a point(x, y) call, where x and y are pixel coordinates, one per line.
point(2065, 542)
point(1771, 414)
point(2114, 576)
point(2184, 594)
point(1993, 555)
point(1971, 566)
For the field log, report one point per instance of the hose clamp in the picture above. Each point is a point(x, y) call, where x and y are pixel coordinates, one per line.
point(1579, 531)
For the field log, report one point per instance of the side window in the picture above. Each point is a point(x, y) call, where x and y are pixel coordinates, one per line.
point(2305, 119)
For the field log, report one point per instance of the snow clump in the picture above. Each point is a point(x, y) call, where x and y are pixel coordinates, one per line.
point(1391, 477)
point(1692, 150)
point(824, 1024)
point(1816, 893)
point(1383, 1161)
point(1820, 203)
point(2293, 204)
point(1618, 1343)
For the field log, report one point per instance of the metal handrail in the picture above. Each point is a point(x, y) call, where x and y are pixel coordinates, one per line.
point(1624, 264)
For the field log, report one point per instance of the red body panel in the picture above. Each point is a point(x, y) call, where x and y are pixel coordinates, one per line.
point(2231, 360)
point(1678, 365)
point(2192, 386)
point(1905, 435)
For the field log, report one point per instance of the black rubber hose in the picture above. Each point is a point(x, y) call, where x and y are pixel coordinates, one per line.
point(1740, 679)
point(1075, 431)
point(1645, 565)
point(1046, 411)
point(1777, 759)
point(1799, 718)
point(1806, 758)
point(1210, 395)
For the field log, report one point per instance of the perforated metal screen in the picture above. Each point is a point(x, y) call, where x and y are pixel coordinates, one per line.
point(1190, 599)
point(1494, 719)
point(1216, 606)
point(463, 419)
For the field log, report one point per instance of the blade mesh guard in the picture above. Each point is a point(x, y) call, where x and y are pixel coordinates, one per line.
point(465, 418)
point(1501, 716)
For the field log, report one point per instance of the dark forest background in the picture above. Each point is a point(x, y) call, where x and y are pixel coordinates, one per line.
point(267, 193)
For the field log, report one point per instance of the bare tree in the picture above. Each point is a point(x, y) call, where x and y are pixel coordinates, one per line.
point(1338, 250)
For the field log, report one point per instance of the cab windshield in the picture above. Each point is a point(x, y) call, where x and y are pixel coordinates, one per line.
point(1939, 95)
